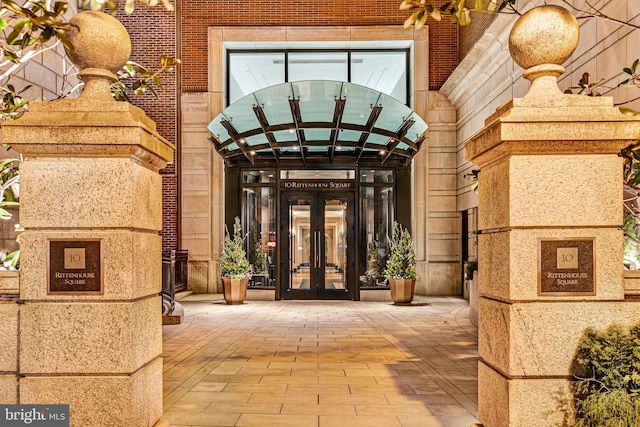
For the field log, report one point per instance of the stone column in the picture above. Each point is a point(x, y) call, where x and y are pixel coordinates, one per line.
point(550, 172)
point(90, 174)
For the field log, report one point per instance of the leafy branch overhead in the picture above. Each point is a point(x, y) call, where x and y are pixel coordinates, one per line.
point(456, 9)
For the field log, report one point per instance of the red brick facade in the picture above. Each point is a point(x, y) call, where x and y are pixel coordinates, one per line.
point(153, 32)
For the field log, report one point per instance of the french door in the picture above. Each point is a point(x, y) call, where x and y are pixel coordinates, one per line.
point(317, 255)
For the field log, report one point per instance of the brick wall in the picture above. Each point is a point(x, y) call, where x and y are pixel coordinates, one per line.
point(470, 34)
point(153, 33)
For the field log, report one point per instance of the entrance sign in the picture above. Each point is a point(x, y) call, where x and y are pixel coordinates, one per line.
point(566, 266)
point(75, 266)
point(316, 185)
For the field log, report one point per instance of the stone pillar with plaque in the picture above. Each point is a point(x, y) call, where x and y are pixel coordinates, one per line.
point(90, 326)
point(550, 250)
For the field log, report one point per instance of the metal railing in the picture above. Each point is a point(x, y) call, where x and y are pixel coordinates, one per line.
point(174, 277)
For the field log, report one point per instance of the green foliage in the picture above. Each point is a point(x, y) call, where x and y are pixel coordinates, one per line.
point(607, 368)
point(586, 87)
point(13, 104)
point(377, 260)
point(233, 260)
point(456, 9)
point(129, 5)
point(470, 267)
point(32, 24)
point(140, 79)
point(259, 259)
point(402, 259)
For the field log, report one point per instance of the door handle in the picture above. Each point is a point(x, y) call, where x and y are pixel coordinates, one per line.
point(318, 249)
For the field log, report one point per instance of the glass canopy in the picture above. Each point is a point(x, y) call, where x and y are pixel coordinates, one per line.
point(317, 118)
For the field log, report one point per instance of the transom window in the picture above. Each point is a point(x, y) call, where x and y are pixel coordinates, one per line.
point(383, 70)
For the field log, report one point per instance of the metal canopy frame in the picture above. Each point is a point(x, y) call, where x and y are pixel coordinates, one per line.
point(294, 121)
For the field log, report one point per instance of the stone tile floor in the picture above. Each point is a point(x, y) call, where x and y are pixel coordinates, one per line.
point(321, 364)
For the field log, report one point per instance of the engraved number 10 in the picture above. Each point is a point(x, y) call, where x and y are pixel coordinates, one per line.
point(567, 257)
point(74, 258)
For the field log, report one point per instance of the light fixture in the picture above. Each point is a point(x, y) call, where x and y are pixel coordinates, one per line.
point(382, 152)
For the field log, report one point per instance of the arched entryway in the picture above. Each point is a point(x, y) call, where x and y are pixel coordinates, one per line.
point(318, 171)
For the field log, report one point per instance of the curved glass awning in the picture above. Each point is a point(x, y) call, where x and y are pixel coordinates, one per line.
point(317, 118)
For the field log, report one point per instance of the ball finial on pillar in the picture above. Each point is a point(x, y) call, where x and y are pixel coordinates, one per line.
point(101, 47)
point(541, 40)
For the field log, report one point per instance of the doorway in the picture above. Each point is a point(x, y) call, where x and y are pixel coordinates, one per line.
point(318, 259)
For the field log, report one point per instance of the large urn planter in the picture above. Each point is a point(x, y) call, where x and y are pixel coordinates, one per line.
point(402, 290)
point(234, 290)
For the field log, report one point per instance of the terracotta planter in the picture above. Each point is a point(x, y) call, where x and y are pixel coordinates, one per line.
point(235, 290)
point(402, 290)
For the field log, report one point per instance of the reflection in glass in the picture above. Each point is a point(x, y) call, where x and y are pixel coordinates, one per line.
point(377, 207)
point(259, 226)
point(301, 240)
point(250, 71)
point(318, 66)
point(384, 71)
point(335, 244)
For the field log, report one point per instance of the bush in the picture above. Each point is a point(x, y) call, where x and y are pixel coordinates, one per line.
point(607, 368)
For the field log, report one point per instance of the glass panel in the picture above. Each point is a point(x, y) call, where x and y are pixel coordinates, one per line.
point(317, 174)
point(259, 225)
point(335, 244)
point(377, 216)
point(254, 177)
point(275, 103)
point(251, 71)
point(370, 175)
point(300, 241)
point(317, 66)
point(317, 99)
point(385, 72)
point(360, 99)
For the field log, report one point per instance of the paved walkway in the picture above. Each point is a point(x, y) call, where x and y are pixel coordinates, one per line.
point(321, 364)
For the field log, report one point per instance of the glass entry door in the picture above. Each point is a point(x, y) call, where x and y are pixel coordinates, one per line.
point(318, 259)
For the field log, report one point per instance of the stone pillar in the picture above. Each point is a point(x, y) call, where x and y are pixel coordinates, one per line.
point(549, 170)
point(90, 174)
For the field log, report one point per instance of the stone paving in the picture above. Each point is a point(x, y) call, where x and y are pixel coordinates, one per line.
point(321, 364)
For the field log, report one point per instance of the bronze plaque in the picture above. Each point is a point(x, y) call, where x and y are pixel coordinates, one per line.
point(566, 266)
point(75, 266)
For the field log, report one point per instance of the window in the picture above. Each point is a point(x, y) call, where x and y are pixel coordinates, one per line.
point(383, 70)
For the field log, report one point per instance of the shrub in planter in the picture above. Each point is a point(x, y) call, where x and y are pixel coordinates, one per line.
point(401, 266)
point(607, 369)
point(234, 266)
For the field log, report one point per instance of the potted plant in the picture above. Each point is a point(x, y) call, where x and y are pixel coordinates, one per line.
point(234, 266)
point(401, 266)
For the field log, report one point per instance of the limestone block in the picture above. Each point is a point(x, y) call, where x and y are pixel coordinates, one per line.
point(551, 190)
point(521, 402)
point(444, 279)
point(9, 337)
point(632, 282)
point(422, 279)
point(114, 400)
point(199, 276)
point(539, 339)
point(508, 263)
point(89, 338)
point(493, 199)
point(132, 265)
point(9, 282)
point(557, 190)
point(8, 389)
point(89, 192)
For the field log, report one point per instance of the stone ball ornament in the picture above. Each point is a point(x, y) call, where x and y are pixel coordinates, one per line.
point(99, 41)
point(544, 35)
